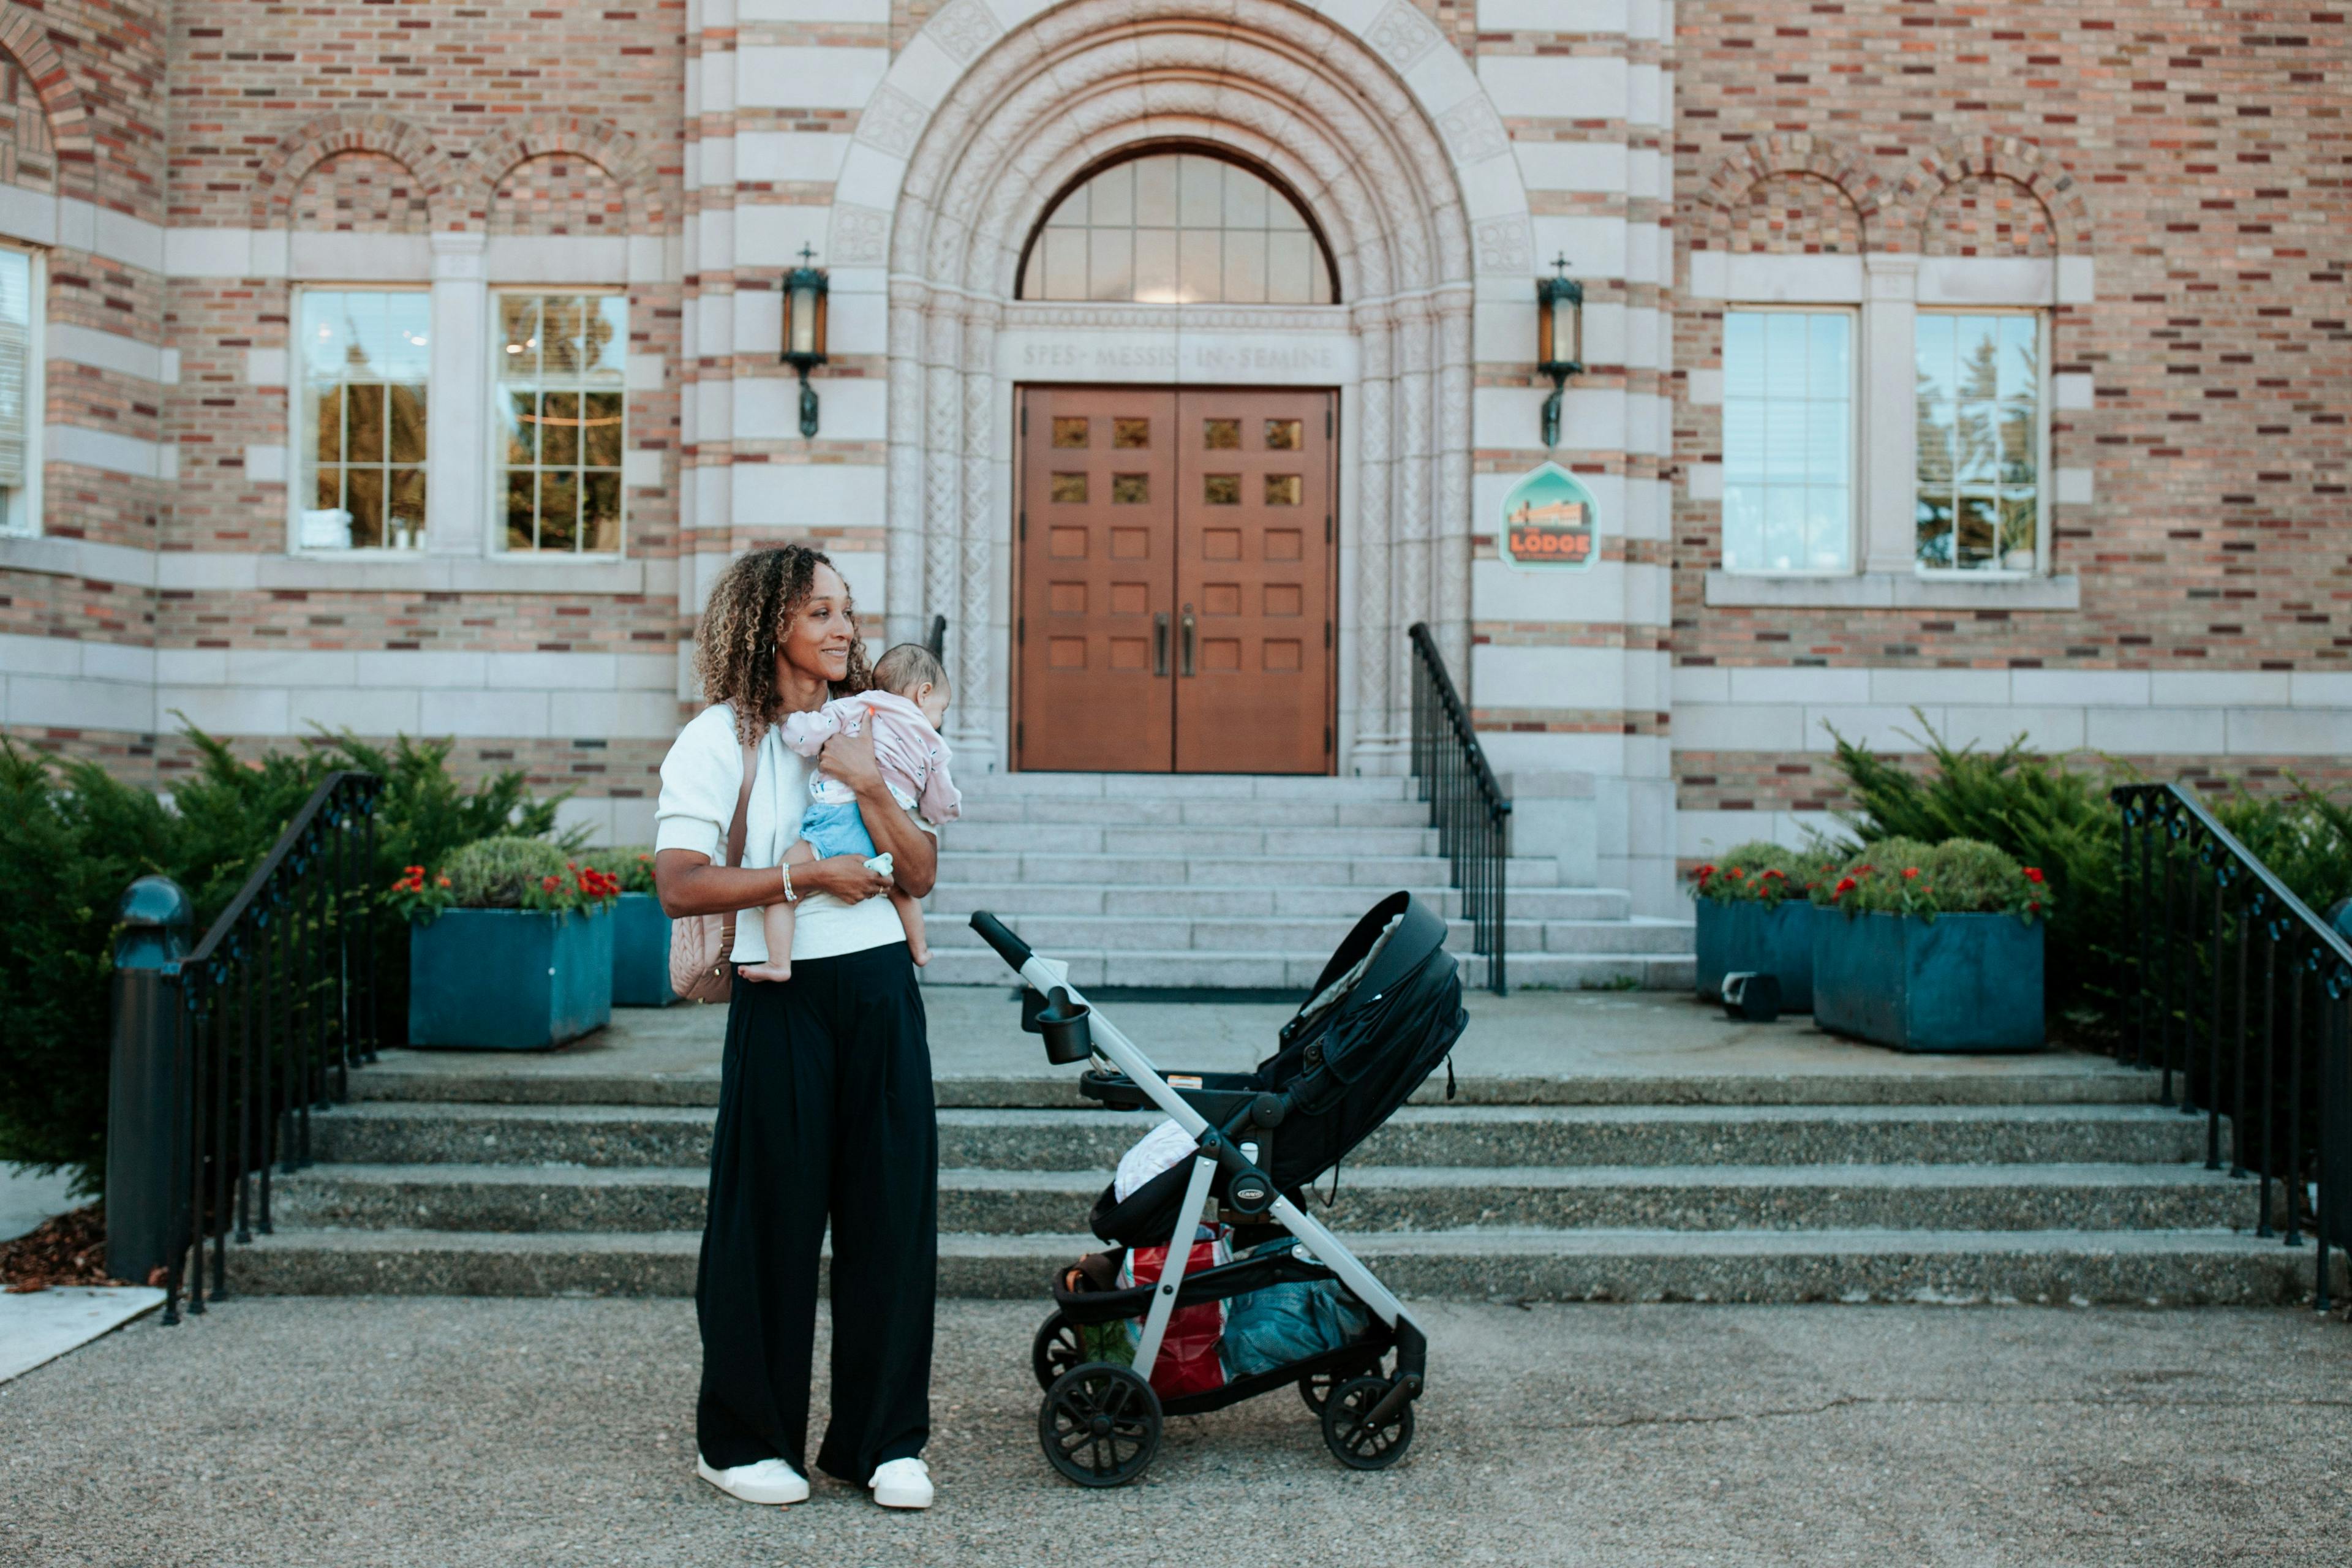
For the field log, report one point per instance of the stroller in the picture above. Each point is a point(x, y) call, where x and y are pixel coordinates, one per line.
point(1385, 1011)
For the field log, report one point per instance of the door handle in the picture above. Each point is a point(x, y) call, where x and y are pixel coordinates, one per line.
point(1159, 643)
point(1188, 629)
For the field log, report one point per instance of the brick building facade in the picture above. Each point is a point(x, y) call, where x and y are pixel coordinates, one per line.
point(2128, 218)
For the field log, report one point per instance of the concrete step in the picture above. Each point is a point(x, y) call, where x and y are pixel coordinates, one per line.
point(431, 1078)
point(1190, 969)
point(1190, 786)
point(392, 1132)
point(1228, 838)
point(1169, 931)
point(491, 1197)
point(2156, 1268)
point(1586, 971)
point(955, 902)
point(1223, 867)
point(1125, 810)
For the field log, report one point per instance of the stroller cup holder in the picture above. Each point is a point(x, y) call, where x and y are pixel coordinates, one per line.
point(1062, 1022)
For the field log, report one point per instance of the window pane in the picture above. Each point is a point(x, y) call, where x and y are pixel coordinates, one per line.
point(559, 429)
point(1743, 528)
point(405, 502)
point(611, 336)
point(1788, 440)
point(1784, 529)
point(1069, 431)
point(1286, 435)
point(363, 423)
point(518, 323)
point(1826, 534)
point(407, 354)
point(559, 509)
point(520, 412)
point(363, 499)
point(1221, 490)
point(562, 326)
point(1131, 435)
point(2019, 525)
point(1220, 434)
point(407, 424)
point(600, 512)
point(521, 489)
point(1130, 489)
point(1976, 530)
point(1934, 525)
point(328, 425)
point(600, 435)
point(1176, 227)
point(1743, 354)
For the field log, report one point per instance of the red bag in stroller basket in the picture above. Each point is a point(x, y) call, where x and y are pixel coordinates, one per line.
point(1189, 1359)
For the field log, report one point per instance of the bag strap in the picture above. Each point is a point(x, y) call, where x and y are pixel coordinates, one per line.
point(735, 832)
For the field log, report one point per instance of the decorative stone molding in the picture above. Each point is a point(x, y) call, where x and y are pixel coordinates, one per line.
point(301, 151)
point(860, 236)
point(963, 30)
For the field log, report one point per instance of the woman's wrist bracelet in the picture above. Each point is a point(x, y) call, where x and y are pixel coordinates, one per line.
point(790, 896)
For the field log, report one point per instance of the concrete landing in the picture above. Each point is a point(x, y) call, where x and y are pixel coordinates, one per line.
point(1532, 1048)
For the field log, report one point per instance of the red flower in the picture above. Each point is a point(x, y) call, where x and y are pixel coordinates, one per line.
point(442, 882)
point(1910, 873)
point(1704, 872)
point(1846, 884)
point(550, 884)
point(2034, 907)
point(1782, 874)
point(2033, 874)
point(1736, 873)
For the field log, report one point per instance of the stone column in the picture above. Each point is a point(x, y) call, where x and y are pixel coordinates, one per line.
point(1375, 751)
point(458, 482)
point(976, 633)
point(942, 454)
point(1409, 578)
point(909, 620)
point(1890, 410)
point(1450, 616)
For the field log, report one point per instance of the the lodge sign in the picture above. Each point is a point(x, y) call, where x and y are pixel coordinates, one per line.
point(1549, 518)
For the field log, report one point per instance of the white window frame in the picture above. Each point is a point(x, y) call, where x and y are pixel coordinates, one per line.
point(23, 519)
point(494, 498)
point(1855, 456)
point(301, 413)
point(2044, 481)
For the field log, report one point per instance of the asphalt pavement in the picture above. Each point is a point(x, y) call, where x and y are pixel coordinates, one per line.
point(456, 1432)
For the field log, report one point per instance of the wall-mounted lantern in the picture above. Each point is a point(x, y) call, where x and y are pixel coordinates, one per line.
point(1559, 339)
point(805, 288)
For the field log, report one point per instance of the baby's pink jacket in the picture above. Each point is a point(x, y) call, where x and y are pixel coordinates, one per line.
point(913, 758)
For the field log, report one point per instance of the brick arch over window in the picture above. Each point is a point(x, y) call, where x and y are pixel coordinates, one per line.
point(1988, 214)
point(1979, 158)
point(559, 193)
point(598, 143)
point(1781, 168)
point(28, 155)
point(25, 37)
point(282, 173)
point(360, 191)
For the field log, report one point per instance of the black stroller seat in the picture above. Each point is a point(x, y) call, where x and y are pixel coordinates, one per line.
point(1386, 1010)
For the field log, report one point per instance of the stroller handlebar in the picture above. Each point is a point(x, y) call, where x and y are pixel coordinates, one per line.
point(994, 932)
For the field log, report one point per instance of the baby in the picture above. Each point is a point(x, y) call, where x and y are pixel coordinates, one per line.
point(909, 699)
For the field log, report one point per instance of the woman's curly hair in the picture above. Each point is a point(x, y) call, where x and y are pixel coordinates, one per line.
point(735, 648)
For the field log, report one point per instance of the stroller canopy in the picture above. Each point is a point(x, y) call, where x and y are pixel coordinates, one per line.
point(1385, 1011)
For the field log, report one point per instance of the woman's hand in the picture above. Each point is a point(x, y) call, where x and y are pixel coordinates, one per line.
point(845, 877)
point(850, 759)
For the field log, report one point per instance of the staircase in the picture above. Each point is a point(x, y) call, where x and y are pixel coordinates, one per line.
point(1247, 881)
point(1955, 1187)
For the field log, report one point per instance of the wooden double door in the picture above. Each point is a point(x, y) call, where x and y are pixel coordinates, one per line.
point(1175, 551)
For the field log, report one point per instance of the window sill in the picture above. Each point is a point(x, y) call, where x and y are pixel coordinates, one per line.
point(1893, 591)
point(496, 573)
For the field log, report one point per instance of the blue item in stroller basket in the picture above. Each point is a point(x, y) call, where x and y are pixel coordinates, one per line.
point(1386, 1010)
point(1283, 1324)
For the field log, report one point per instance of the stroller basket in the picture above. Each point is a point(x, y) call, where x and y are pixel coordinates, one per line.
point(1386, 1010)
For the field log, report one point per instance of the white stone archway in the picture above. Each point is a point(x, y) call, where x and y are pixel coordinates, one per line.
point(1366, 111)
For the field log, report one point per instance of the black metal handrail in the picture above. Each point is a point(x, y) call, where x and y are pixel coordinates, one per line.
point(937, 641)
point(1465, 804)
point(2281, 1074)
point(278, 1002)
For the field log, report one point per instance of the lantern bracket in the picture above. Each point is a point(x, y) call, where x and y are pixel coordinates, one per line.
point(806, 280)
point(1551, 294)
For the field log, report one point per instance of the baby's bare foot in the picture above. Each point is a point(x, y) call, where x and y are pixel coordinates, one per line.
point(764, 970)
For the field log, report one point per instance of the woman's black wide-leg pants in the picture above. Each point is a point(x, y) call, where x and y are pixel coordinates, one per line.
point(824, 1111)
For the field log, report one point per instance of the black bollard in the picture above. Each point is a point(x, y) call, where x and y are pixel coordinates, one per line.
point(147, 1112)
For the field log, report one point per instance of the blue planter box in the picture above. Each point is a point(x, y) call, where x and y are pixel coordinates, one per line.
point(1959, 982)
point(640, 952)
point(1747, 937)
point(509, 979)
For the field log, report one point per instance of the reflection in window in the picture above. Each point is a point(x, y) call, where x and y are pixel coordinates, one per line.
point(1177, 227)
point(19, 431)
point(1788, 440)
point(1979, 379)
point(363, 364)
point(562, 396)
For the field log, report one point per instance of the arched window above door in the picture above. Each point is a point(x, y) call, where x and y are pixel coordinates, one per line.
point(1178, 228)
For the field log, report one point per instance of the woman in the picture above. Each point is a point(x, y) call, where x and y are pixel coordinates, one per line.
point(824, 1100)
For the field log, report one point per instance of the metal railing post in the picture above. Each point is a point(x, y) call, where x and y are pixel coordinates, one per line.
point(147, 1084)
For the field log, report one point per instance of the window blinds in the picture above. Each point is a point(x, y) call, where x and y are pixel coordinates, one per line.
point(15, 352)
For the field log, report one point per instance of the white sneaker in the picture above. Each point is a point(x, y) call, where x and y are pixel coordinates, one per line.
point(902, 1483)
point(768, 1481)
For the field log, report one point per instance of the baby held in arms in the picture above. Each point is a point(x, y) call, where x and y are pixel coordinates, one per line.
point(909, 699)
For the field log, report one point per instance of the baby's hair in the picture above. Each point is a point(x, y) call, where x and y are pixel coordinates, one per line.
point(908, 666)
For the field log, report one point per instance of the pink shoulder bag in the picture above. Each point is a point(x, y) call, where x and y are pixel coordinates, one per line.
point(702, 947)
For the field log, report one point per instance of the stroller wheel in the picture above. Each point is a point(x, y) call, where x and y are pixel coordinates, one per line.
point(1055, 1350)
point(1357, 1444)
point(1315, 1390)
point(1100, 1424)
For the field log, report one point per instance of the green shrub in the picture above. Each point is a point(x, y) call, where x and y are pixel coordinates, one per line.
point(1759, 872)
point(500, 873)
point(632, 863)
point(1957, 877)
point(72, 837)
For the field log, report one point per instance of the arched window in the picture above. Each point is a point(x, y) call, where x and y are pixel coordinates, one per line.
point(1178, 228)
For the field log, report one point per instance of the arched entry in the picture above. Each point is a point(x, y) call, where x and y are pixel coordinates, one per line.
point(953, 193)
